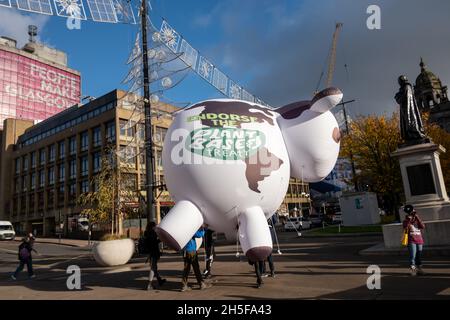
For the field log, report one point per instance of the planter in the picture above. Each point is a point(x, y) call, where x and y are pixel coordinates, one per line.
point(113, 252)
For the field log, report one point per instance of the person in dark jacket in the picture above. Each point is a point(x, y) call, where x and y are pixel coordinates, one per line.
point(258, 265)
point(209, 251)
point(24, 255)
point(413, 225)
point(190, 258)
point(151, 242)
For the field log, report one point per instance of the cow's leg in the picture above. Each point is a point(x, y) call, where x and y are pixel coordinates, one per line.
point(254, 234)
point(180, 224)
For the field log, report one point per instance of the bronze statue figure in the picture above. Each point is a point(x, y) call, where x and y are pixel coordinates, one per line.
point(411, 126)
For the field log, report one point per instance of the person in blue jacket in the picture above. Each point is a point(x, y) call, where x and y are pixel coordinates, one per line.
point(190, 258)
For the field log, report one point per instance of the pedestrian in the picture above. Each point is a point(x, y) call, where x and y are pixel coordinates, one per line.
point(209, 251)
point(413, 226)
point(151, 243)
point(271, 267)
point(190, 258)
point(258, 265)
point(25, 258)
point(269, 258)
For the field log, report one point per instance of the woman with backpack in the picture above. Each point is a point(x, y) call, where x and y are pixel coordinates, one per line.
point(25, 258)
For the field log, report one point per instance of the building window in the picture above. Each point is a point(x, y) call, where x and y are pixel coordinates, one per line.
point(84, 166)
point(73, 169)
point(73, 145)
point(17, 185)
point(25, 163)
point(41, 178)
point(23, 204)
point(31, 202)
point(141, 131)
point(17, 165)
point(41, 200)
point(129, 182)
point(61, 191)
point(51, 176)
point(84, 141)
point(111, 131)
point(158, 159)
point(84, 186)
point(51, 198)
point(62, 149)
point(128, 155)
point(97, 136)
point(62, 172)
point(142, 157)
point(127, 128)
point(160, 134)
point(42, 156)
point(33, 159)
point(96, 161)
point(33, 180)
point(72, 192)
point(51, 153)
point(24, 183)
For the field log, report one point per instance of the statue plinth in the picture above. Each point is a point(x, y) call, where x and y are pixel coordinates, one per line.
point(424, 188)
point(423, 181)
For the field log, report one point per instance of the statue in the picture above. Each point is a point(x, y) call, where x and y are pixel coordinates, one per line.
point(411, 127)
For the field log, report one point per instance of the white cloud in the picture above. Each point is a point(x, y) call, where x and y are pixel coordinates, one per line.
point(14, 24)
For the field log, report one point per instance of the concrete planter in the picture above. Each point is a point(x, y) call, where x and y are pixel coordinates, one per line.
point(113, 252)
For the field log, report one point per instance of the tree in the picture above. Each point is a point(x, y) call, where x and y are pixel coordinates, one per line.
point(370, 142)
point(111, 190)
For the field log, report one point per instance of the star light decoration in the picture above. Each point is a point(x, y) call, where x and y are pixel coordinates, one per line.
point(205, 69)
point(71, 8)
point(169, 36)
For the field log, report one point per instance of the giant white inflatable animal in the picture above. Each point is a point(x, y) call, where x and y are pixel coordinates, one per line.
point(227, 163)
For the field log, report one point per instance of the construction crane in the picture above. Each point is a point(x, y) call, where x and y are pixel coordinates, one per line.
point(331, 58)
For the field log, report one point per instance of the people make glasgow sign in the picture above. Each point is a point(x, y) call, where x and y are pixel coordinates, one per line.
point(30, 89)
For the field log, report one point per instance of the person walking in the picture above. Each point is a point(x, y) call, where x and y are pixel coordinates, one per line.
point(190, 258)
point(209, 251)
point(25, 258)
point(413, 226)
point(151, 243)
point(258, 265)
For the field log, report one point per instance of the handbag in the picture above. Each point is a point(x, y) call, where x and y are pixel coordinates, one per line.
point(405, 238)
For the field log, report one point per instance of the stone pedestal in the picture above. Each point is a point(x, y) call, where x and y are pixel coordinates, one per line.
point(424, 187)
point(423, 181)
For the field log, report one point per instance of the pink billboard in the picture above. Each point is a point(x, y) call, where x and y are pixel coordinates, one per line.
point(33, 90)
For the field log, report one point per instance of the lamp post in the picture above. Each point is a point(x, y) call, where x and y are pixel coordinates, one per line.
point(148, 119)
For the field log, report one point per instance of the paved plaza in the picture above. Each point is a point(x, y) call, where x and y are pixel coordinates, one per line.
point(308, 268)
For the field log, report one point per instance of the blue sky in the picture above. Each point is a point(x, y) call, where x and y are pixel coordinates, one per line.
point(274, 48)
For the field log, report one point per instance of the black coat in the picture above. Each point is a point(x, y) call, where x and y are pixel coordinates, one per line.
point(151, 243)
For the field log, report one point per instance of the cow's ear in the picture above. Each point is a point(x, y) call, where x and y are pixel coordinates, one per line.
point(326, 100)
point(293, 110)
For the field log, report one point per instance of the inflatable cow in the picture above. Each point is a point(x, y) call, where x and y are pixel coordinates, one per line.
point(227, 164)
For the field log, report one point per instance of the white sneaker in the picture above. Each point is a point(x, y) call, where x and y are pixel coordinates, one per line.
point(413, 271)
point(14, 278)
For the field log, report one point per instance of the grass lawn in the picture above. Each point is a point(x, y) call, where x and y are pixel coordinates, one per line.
point(356, 229)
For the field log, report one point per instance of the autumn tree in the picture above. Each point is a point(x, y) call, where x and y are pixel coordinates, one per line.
point(370, 142)
point(110, 191)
